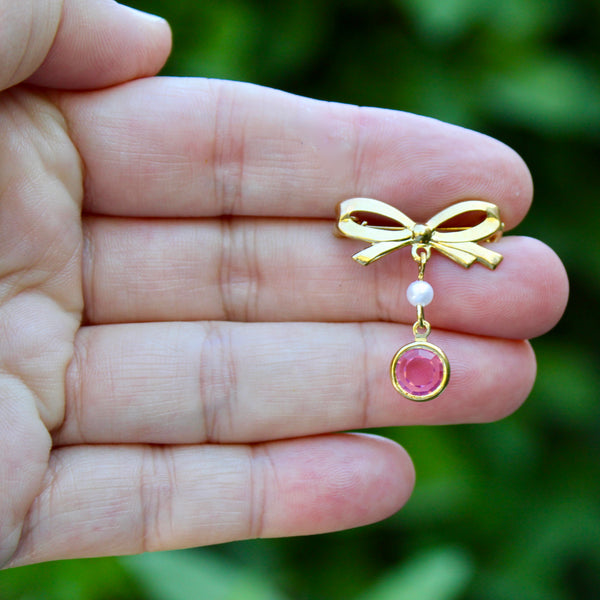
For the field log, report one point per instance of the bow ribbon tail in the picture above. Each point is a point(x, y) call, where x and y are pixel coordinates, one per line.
point(377, 250)
point(466, 253)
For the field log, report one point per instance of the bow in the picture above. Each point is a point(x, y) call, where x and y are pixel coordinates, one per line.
point(458, 244)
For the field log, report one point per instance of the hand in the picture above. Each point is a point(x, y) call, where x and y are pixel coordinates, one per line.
point(173, 362)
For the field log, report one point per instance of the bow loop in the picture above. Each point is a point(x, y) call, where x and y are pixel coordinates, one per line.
point(461, 244)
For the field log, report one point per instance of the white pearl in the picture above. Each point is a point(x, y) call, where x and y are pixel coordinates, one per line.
point(419, 292)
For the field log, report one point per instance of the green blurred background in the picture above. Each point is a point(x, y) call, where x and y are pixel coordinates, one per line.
point(506, 511)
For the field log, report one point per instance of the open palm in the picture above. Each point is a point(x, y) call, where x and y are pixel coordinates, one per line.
point(181, 332)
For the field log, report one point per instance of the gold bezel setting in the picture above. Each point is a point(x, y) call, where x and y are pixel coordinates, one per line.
point(445, 377)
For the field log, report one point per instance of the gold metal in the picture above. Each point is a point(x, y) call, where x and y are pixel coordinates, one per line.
point(421, 328)
point(461, 244)
point(421, 257)
point(457, 243)
point(445, 374)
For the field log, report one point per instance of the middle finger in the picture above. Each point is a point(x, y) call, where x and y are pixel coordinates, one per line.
point(246, 269)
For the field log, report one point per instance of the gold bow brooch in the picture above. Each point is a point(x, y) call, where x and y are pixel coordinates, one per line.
point(458, 243)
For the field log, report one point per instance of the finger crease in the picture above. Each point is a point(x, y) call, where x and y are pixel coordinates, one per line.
point(157, 486)
point(365, 391)
point(226, 267)
point(259, 461)
point(358, 149)
point(228, 151)
point(218, 383)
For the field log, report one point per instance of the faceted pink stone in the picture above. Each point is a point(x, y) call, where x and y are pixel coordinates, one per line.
point(419, 371)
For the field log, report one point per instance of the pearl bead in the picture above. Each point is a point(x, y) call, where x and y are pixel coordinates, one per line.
point(419, 292)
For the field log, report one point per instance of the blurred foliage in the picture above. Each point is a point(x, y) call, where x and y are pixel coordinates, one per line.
point(503, 511)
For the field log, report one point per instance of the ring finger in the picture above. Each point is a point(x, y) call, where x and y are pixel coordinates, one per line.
point(246, 382)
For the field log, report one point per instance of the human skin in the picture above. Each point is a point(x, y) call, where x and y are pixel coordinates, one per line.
point(183, 336)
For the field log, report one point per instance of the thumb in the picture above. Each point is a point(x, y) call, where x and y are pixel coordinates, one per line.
point(78, 44)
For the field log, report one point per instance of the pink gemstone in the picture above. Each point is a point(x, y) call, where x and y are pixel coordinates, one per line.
point(419, 371)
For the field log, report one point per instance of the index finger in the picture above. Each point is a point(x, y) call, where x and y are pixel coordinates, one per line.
point(168, 147)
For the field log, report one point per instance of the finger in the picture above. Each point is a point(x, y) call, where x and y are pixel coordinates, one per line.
point(223, 382)
point(124, 500)
point(208, 148)
point(75, 44)
point(277, 270)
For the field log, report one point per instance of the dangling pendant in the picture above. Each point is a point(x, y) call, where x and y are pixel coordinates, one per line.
point(420, 370)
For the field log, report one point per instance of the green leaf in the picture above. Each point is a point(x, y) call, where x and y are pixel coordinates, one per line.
point(439, 574)
point(89, 579)
point(549, 93)
point(443, 21)
point(187, 574)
